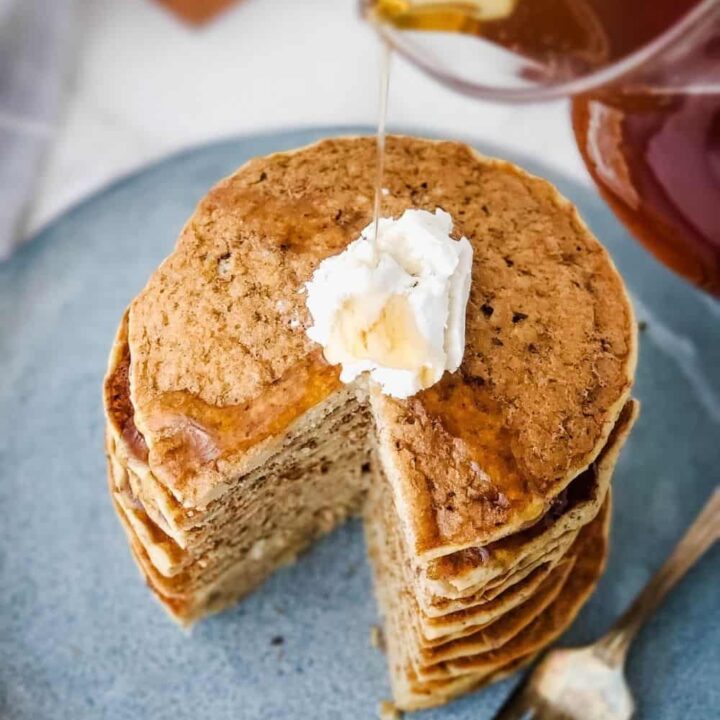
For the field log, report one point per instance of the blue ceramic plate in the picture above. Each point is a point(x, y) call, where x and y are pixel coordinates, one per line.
point(80, 635)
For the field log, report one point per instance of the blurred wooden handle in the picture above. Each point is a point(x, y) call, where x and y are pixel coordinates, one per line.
point(699, 537)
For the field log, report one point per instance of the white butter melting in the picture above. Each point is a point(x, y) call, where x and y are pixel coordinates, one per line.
point(397, 309)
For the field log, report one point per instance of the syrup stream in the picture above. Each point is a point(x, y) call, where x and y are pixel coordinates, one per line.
point(380, 138)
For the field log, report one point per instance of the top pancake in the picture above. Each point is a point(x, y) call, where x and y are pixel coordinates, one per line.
point(220, 366)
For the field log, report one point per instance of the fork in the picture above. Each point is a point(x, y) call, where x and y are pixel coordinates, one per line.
point(588, 683)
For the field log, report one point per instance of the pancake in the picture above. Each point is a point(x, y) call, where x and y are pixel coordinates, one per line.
point(433, 665)
point(561, 613)
point(228, 548)
point(394, 586)
point(550, 337)
point(470, 673)
point(429, 662)
point(232, 444)
point(474, 648)
point(481, 610)
point(459, 624)
point(470, 571)
point(498, 632)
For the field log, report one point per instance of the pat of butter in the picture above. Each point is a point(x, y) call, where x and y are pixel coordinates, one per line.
point(396, 308)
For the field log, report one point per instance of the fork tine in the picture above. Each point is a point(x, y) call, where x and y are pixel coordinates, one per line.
point(518, 706)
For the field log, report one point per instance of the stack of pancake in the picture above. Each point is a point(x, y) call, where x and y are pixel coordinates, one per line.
point(232, 444)
point(456, 622)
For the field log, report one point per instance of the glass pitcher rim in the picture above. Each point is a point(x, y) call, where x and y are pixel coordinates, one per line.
point(578, 86)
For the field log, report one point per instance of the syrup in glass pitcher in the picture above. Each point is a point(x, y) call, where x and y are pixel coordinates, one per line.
point(644, 77)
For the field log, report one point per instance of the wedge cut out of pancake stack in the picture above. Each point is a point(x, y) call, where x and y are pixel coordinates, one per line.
point(232, 444)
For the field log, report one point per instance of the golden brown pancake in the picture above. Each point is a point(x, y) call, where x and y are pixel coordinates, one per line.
point(430, 632)
point(478, 631)
point(503, 614)
point(550, 335)
point(496, 633)
point(472, 572)
point(467, 674)
point(221, 410)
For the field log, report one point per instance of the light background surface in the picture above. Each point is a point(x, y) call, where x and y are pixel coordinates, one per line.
point(144, 85)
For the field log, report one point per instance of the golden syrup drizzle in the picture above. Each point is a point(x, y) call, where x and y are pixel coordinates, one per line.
point(546, 30)
point(385, 57)
point(194, 433)
point(473, 416)
point(120, 410)
point(453, 16)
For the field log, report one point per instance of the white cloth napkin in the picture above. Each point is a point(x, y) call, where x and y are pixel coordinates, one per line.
point(34, 49)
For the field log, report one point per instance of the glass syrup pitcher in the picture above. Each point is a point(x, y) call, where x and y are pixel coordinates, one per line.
point(644, 77)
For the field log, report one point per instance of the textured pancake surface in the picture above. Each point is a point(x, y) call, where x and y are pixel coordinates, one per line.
point(232, 444)
point(414, 687)
point(220, 363)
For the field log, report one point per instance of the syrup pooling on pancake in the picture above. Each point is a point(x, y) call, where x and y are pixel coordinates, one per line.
point(581, 499)
point(119, 407)
point(466, 409)
point(582, 489)
point(194, 433)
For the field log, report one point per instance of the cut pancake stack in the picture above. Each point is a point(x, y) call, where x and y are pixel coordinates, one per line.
point(201, 557)
point(232, 444)
point(519, 593)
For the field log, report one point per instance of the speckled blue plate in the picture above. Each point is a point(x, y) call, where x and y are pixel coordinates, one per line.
point(80, 635)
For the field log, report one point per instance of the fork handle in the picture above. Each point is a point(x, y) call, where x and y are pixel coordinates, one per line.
point(699, 537)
